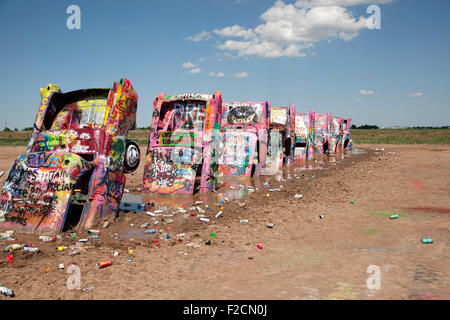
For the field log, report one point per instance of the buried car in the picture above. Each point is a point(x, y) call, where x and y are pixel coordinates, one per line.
point(243, 138)
point(321, 134)
point(181, 148)
point(281, 133)
point(303, 148)
point(336, 134)
point(347, 142)
point(73, 172)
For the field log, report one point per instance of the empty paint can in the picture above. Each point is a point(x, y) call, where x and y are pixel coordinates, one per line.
point(427, 240)
point(103, 264)
point(395, 216)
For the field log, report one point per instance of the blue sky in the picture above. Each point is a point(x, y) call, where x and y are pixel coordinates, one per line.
point(299, 51)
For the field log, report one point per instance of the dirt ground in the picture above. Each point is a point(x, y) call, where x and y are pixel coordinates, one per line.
point(304, 256)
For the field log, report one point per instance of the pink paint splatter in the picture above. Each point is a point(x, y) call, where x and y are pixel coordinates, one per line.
point(418, 184)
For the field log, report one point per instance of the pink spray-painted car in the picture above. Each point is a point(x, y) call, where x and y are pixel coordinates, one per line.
point(320, 134)
point(281, 135)
point(244, 135)
point(304, 133)
point(336, 134)
point(73, 172)
point(181, 148)
point(347, 143)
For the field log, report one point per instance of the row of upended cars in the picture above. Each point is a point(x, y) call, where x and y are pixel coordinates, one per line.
point(74, 170)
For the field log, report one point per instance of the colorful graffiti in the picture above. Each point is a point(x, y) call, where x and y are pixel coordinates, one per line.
point(248, 121)
point(336, 134)
point(73, 171)
point(182, 144)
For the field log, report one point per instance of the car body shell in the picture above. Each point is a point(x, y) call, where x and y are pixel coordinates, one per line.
point(76, 150)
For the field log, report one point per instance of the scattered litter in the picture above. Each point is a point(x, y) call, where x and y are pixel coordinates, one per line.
point(259, 246)
point(395, 216)
point(91, 231)
point(204, 219)
point(244, 221)
point(208, 243)
point(427, 240)
point(129, 260)
point(198, 202)
point(45, 238)
point(116, 253)
point(151, 214)
point(298, 196)
point(352, 202)
point(94, 236)
point(61, 266)
point(103, 264)
point(83, 240)
point(4, 290)
point(218, 214)
point(7, 234)
point(47, 270)
point(2, 173)
point(321, 216)
point(13, 247)
point(30, 249)
point(270, 225)
point(212, 235)
point(145, 225)
point(72, 253)
point(88, 288)
point(150, 231)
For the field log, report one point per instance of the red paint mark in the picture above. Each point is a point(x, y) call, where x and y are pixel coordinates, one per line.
point(430, 209)
point(418, 184)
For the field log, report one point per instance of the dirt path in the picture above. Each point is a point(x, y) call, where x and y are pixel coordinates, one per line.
point(303, 256)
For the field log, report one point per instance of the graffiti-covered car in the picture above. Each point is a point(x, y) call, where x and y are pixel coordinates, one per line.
point(181, 147)
point(243, 136)
point(304, 143)
point(321, 133)
point(73, 172)
point(336, 134)
point(281, 132)
point(347, 142)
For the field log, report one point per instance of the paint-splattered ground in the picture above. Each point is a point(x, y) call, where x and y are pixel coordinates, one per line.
point(302, 257)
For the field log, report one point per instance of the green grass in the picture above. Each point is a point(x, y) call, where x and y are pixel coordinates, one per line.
point(359, 136)
point(401, 136)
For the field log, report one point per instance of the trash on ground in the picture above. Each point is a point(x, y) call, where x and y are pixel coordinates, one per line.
point(7, 292)
point(427, 240)
point(103, 264)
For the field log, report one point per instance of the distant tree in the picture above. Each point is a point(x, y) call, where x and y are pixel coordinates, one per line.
point(15, 129)
point(28, 129)
point(7, 129)
point(354, 126)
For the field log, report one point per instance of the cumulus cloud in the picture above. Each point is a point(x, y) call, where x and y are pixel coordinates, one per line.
point(204, 35)
point(291, 30)
point(195, 70)
point(240, 75)
point(416, 94)
point(218, 74)
point(366, 92)
point(188, 65)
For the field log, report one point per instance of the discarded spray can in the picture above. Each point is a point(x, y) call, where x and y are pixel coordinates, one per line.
point(95, 236)
point(270, 225)
point(427, 240)
point(298, 196)
point(31, 249)
point(45, 238)
point(395, 216)
point(93, 231)
point(61, 266)
point(103, 264)
point(7, 292)
point(150, 231)
point(244, 221)
point(204, 219)
point(218, 214)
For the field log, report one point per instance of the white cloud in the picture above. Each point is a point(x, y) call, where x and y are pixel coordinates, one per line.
point(290, 30)
point(240, 75)
point(235, 31)
point(218, 74)
point(417, 94)
point(188, 65)
point(195, 70)
point(204, 35)
point(358, 100)
point(201, 59)
point(366, 92)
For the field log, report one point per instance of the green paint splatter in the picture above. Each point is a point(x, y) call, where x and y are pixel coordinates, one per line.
point(369, 231)
point(386, 214)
